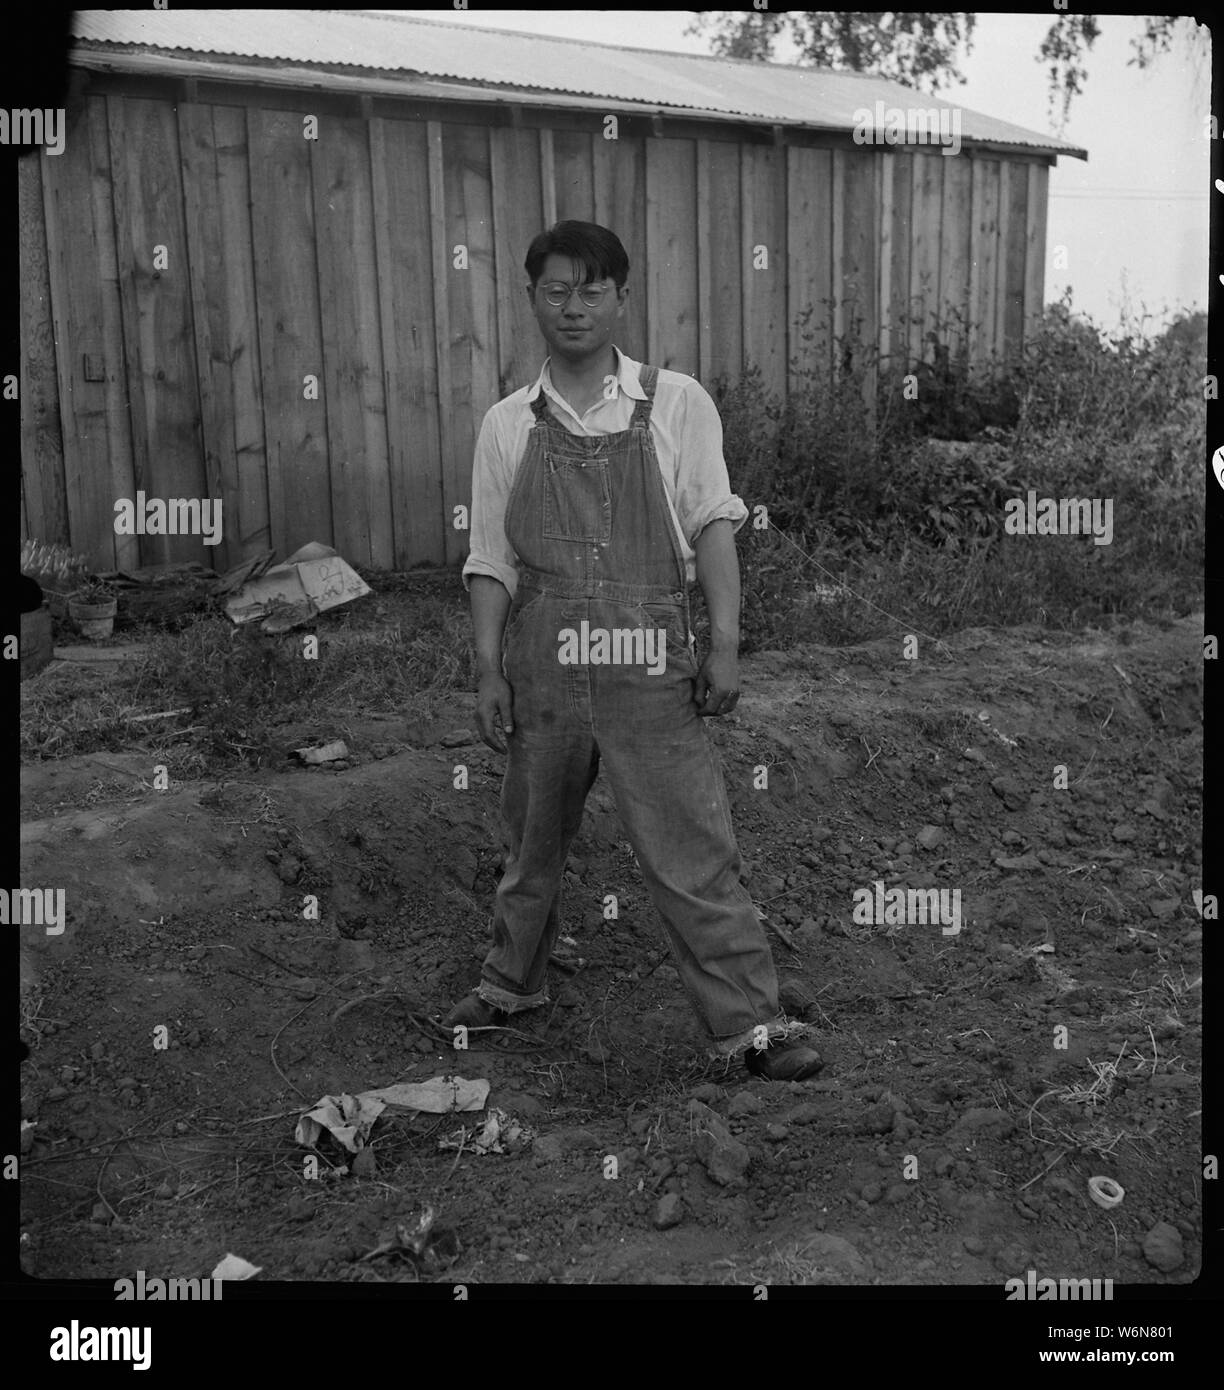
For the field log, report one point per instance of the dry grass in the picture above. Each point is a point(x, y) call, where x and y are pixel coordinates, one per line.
point(233, 688)
point(1089, 1133)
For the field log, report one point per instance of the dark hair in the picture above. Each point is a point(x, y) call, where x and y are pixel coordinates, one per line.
point(599, 250)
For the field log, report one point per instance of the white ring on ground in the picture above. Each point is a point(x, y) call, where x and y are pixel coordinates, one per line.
point(1105, 1192)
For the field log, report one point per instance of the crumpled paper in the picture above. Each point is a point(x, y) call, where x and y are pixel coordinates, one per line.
point(349, 1119)
point(501, 1133)
point(235, 1267)
point(439, 1095)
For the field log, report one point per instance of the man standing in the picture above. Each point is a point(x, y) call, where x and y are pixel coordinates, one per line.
point(598, 494)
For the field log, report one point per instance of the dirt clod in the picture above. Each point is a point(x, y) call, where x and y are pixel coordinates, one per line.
point(725, 1159)
point(937, 1046)
point(669, 1211)
point(1162, 1247)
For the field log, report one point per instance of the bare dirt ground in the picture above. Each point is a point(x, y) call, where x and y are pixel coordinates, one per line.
point(950, 1139)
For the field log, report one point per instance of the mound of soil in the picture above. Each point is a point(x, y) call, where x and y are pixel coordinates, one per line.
point(235, 951)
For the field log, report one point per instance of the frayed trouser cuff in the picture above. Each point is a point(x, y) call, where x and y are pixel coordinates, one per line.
point(780, 1027)
point(511, 1003)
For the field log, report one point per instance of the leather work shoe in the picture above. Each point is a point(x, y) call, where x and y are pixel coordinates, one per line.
point(782, 1060)
point(474, 1012)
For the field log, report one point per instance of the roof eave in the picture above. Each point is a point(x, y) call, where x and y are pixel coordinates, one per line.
point(111, 58)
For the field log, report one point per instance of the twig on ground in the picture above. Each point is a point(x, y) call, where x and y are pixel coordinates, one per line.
point(267, 955)
point(1061, 1154)
point(272, 1047)
point(620, 1003)
point(784, 935)
point(98, 1186)
point(195, 1191)
point(360, 999)
point(458, 1156)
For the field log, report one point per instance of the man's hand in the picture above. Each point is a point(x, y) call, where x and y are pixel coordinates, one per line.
point(717, 685)
point(716, 690)
point(494, 710)
point(494, 698)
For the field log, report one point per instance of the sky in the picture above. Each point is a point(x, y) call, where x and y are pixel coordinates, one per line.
point(1133, 221)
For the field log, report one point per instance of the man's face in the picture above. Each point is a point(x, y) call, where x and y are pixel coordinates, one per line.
point(574, 331)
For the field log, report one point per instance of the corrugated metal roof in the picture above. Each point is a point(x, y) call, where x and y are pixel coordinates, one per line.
point(333, 40)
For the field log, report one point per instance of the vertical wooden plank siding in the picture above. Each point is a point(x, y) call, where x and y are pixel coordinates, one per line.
point(1012, 253)
point(671, 238)
point(238, 340)
point(899, 307)
point(724, 274)
point(518, 216)
point(763, 220)
point(985, 251)
point(287, 308)
point(158, 333)
point(705, 292)
point(573, 175)
point(206, 272)
point(120, 421)
point(548, 177)
point(1000, 295)
point(886, 166)
point(1035, 240)
point(858, 268)
point(404, 248)
point(973, 342)
point(810, 270)
point(450, 432)
point(76, 314)
point(335, 258)
point(954, 253)
point(352, 343)
point(216, 194)
point(924, 256)
point(471, 309)
point(838, 256)
point(620, 203)
point(42, 443)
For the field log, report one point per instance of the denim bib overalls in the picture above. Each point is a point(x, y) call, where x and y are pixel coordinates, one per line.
point(588, 519)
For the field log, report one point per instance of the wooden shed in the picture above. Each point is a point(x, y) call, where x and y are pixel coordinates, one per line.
point(278, 261)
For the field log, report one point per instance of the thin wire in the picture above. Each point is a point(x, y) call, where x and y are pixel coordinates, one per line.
point(841, 584)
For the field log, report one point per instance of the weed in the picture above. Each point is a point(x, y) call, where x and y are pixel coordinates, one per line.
point(884, 483)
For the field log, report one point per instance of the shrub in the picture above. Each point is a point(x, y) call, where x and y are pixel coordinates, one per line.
point(879, 500)
point(239, 682)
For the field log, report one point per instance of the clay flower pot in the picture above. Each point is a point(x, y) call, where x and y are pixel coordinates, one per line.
point(94, 618)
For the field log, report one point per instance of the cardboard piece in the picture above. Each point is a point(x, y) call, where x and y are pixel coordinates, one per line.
point(312, 580)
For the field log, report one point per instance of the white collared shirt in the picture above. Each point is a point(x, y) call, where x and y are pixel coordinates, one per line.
point(687, 434)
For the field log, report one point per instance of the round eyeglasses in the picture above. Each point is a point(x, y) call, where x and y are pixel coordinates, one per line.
point(558, 294)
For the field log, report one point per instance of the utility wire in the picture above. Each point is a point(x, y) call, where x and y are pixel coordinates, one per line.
point(841, 584)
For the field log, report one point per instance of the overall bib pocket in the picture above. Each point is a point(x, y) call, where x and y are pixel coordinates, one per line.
point(577, 498)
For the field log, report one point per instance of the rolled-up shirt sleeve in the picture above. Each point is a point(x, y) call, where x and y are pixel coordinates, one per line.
point(492, 474)
point(703, 488)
